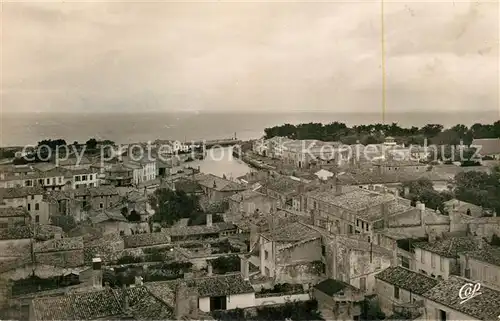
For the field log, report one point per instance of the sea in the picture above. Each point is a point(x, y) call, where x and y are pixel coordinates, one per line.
point(126, 128)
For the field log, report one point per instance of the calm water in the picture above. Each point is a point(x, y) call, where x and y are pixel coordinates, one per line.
point(21, 129)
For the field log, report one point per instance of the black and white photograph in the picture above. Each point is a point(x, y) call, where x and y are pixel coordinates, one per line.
point(261, 160)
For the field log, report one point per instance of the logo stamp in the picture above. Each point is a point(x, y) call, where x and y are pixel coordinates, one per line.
point(469, 291)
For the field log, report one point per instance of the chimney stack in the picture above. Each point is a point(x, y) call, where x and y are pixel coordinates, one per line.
point(138, 281)
point(181, 300)
point(209, 268)
point(244, 268)
point(209, 219)
point(406, 192)
point(421, 208)
point(97, 273)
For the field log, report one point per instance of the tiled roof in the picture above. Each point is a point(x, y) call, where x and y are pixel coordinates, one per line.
point(215, 182)
point(89, 233)
point(73, 161)
point(485, 306)
point(219, 285)
point(20, 192)
point(489, 146)
point(63, 244)
point(77, 306)
point(488, 254)
point(102, 190)
point(283, 184)
point(450, 247)
point(408, 280)
point(292, 232)
point(145, 306)
point(13, 212)
point(146, 239)
point(188, 186)
point(332, 287)
point(199, 229)
point(107, 215)
point(15, 233)
point(245, 195)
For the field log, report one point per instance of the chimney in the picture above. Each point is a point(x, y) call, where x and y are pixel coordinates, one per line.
point(181, 300)
point(406, 192)
point(125, 298)
point(385, 214)
point(209, 219)
point(138, 281)
point(421, 208)
point(432, 237)
point(97, 273)
point(244, 268)
point(209, 269)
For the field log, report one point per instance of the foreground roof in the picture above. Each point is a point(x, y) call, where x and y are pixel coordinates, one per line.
point(292, 232)
point(332, 287)
point(408, 280)
point(451, 247)
point(485, 306)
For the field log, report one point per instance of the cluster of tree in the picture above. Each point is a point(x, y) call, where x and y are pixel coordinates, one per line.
point(423, 191)
point(479, 188)
point(226, 264)
point(375, 133)
point(170, 206)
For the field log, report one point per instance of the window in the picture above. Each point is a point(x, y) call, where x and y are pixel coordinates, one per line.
point(323, 250)
point(37, 207)
point(467, 273)
point(351, 229)
point(266, 255)
point(4, 225)
point(442, 315)
point(396, 292)
point(32, 197)
point(77, 178)
point(362, 284)
point(422, 253)
point(60, 180)
point(433, 260)
point(357, 223)
point(84, 177)
point(101, 205)
point(367, 227)
point(53, 181)
point(362, 224)
point(91, 177)
point(37, 218)
point(48, 181)
point(29, 207)
point(441, 263)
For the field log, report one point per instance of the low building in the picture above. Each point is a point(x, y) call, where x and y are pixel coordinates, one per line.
point(111, 221)
point(143, 170)
point(482, 265)
point(30, 198)
point(49, 180)
point(291, 254)
point(338, 300)
point(463, 208)
point(200, 232)
point(440, 258)
point(12, 216)
point(119, 175)
point(249, 202)
point(443, 302)
point(98, 198)
point(83, 177)
point(217, 188)
point(487, 147)
point(399, 288)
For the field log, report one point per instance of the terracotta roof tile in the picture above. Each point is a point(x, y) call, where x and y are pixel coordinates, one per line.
point(408, 280)
point(451, 247)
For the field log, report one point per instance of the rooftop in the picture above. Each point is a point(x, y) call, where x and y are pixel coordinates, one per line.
point(282, 184)
point(199, 229)
point(215, 182)
point(102, 190)
point(218, 285)
point(246, 195)
point(332, 287)
point(489, 146)
point(20, 192)
point(408, 280)
point(107, 215)
point(488, 254)
point(485, 306)
point(15, 233)
point(13, 212)
point(63, 244)
point(292, 232)
point(451, 247)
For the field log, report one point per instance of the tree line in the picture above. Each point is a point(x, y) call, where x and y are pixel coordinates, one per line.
point(376, 133)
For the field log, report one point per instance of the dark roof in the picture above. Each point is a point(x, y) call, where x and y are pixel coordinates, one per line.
point(146, 239)
point(144, 305)
point(217, 183)
point(63, 244)
point(408, 280)
point(331, 287)
point(77, 306)
point(450, 247)
point(15, 232)
point(199, 229)
point(488, 254)
point(13, 212)
point(292, 232)
point(485, 306)
point(489, 146)
point(207, 287)
point(103, 190)
point(18, 192)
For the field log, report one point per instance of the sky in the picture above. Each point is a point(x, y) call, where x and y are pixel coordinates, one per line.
point(249, 56)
